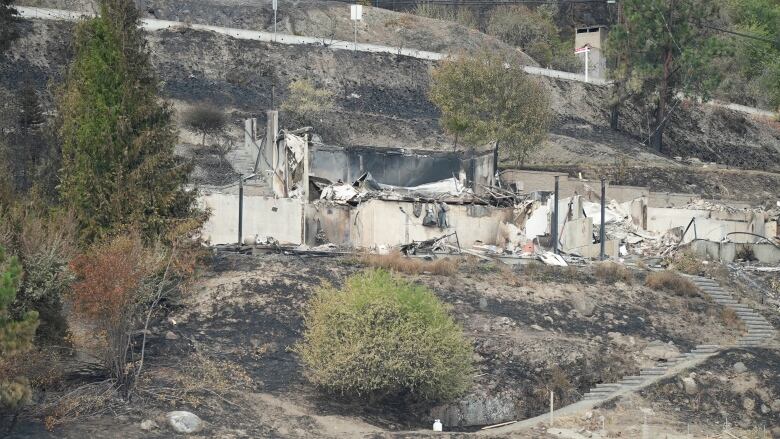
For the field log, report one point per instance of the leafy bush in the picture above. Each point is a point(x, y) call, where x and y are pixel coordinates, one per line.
point(381, 338)
point(671, 282)
point(610, 272)
point(44, 244)
point(535, 32)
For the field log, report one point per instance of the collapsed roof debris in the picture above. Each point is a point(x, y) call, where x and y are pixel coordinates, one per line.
point(324, 198)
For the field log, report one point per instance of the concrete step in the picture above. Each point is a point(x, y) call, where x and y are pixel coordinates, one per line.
point(652, 372)
point(694, 354)
point(633, 379)
point(767, 332)
point(754, 320)
point(750, 343)
point(592, 397)
point(705, 346)
point(602, 391)
point(607, 386)
point(705, 351)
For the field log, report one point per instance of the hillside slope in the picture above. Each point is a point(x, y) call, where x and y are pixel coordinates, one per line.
point(381, 99)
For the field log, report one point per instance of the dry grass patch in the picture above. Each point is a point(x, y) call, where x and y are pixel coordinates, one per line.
point(671, 282)
point(731, 320)
point(395, 261)
point(200, 380)
point(687, 262)
point(610, 273)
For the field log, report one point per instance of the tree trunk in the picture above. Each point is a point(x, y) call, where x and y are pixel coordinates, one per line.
point(455, 146)
point(614, 113)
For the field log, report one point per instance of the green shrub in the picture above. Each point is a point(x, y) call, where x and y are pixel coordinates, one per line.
point(382, 338)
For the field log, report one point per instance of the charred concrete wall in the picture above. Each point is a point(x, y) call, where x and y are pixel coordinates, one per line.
point(377, 222)
point(727, 251)
point(530, 181)
point(399, 167)
point(393, 223)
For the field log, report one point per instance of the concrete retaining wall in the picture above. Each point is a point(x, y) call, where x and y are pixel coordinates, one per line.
point(279, 218)
point(727, 251)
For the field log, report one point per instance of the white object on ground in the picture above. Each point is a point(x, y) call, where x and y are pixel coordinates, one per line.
point(184, 422)
point(437, 425)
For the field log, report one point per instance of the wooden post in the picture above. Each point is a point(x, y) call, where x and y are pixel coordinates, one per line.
point(552, 395)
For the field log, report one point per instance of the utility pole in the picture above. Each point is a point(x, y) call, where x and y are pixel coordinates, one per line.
point(602, 229)
point(274, 4)
point(554, 221)
point(240, 210)
point(356, 14)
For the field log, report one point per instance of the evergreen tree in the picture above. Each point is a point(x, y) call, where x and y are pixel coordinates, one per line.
point(660, 48)
point(118, 166)
point(15, 335)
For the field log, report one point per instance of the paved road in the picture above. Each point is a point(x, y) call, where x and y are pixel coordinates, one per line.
point(151, 24)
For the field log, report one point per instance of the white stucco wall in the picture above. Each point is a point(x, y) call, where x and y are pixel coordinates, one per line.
point(384, 223)
point(279, 218)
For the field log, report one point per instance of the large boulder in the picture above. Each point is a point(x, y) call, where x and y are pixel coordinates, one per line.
point(584, 306)
point(475, 409)
point(184, 422)
point(690, 385)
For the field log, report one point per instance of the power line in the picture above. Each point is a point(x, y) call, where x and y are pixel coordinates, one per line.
point(754, 37)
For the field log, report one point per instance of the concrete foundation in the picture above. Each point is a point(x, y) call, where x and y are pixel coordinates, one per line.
point(727, 251)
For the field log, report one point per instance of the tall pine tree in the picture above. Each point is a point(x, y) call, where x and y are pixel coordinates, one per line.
point(660, 48)
point(118, 166)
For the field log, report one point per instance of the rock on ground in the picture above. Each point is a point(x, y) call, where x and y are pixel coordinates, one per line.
point(184, 422)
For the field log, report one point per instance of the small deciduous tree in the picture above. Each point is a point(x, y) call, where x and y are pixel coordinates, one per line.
point(16, 336)
point(483, 99)
point(114, 279)
point(205, 120)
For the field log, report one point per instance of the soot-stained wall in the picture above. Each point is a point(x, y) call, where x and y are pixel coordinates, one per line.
point(398, 167)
